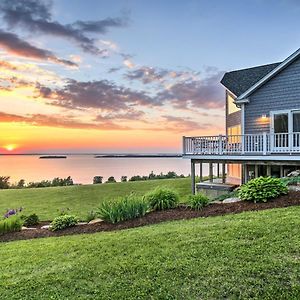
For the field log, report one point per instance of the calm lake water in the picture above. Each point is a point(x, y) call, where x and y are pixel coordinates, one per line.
point(82, 168)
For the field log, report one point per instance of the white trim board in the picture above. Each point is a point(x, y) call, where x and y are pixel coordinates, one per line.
point(284, 64)
point(245, 157)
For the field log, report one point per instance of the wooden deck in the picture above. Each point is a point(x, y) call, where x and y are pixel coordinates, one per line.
point(265, 146)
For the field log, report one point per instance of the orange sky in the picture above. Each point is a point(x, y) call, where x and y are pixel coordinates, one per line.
point(82, 90)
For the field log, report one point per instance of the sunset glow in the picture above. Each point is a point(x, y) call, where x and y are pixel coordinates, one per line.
point(10, 147)
point(90, 80)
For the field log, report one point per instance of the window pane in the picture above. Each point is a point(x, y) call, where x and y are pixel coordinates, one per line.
point(231, 106)
point(281, 123)
point(296, 121)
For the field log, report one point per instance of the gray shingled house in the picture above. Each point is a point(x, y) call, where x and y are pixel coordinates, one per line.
point(262, 125)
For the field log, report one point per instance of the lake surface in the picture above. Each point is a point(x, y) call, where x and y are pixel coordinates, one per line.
point(82, 168)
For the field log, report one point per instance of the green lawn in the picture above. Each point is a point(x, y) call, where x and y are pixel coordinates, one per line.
point(80, 199)
point(253, 255)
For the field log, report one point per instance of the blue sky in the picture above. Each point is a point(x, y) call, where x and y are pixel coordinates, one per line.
point(142, 73)
point(195, 34)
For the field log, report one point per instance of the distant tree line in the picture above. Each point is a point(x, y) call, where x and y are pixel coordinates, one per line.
point(5, 183)
point(5, 180)
point(151, 176)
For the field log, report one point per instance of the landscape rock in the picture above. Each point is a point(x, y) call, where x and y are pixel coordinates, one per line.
point(81, 223)
point(294, 174)
point(46, 227)
point(295, 188)
point(231, 200)
point(96, 221)
point(27, 228)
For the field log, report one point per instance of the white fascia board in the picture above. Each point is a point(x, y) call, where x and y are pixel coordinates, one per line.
point(254, 87)
point(228, 90)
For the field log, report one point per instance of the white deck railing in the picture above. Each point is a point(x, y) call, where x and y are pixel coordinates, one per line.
point(256, 144)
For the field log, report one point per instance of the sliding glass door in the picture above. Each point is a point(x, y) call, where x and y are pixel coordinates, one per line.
point(281, 131)
point(285, 129)
point(296, 129)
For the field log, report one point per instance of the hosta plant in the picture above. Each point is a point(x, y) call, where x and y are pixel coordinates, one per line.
point(262, 189)
point(63, 222)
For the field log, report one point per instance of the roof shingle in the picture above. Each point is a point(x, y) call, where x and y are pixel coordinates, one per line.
point(240, 81)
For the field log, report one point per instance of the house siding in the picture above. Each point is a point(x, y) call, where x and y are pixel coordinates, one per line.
point(279, 93)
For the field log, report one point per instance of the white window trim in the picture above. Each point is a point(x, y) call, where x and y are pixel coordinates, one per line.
point(289, 112)
point(283, 111)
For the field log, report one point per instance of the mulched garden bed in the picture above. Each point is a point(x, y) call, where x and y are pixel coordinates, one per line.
point(215, 209)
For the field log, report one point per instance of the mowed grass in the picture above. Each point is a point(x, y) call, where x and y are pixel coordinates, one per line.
point(46, 202)
point(253, 255)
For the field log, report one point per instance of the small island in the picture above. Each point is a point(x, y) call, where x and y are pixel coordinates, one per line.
point(52, 157)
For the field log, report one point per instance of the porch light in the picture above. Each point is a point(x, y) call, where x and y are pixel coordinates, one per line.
point(263, 116)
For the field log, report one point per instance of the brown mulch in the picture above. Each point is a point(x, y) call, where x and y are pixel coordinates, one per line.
point(214, 209)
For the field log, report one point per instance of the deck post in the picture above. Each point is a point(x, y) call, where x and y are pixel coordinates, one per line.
point(243, 174)
point(220, 144)
point(201, 171)
point(281, 171)
point(223, 173)
point(246, 175)
point(193, 177)
point(268, 170)
point(218, 170)
point(183, 145)
point(264, 143)
point(255, 171)
point(210, 172)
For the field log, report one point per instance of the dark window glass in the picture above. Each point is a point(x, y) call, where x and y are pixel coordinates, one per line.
point(281, 123)
point(296, 121)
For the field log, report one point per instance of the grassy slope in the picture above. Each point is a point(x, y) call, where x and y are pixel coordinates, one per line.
point(80, 199)
point(251, 255)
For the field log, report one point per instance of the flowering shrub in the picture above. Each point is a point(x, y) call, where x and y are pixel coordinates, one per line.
point(12, 212)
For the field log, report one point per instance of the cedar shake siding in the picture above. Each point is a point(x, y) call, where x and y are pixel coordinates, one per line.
point(279, 93)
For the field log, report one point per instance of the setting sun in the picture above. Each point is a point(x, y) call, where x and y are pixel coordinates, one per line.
point(10, 147)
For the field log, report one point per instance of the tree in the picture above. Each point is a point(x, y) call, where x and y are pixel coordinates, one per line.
point(97, 180)
point(111, 179)
point(21, 184)
point(123, 178)
point(4, 182)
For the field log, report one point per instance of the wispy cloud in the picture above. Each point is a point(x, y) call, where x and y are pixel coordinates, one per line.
point(195, 94)
point(103, 94)
point(19, 47)
point(35, 16)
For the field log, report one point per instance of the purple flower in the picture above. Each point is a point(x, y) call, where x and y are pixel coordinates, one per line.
point(12, 212)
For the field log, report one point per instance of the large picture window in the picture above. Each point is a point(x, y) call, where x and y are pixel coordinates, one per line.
point(231, 107)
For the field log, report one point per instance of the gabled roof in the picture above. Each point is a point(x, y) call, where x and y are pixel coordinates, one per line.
point(240, 81)
point(244, 82)
point(243, 97)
